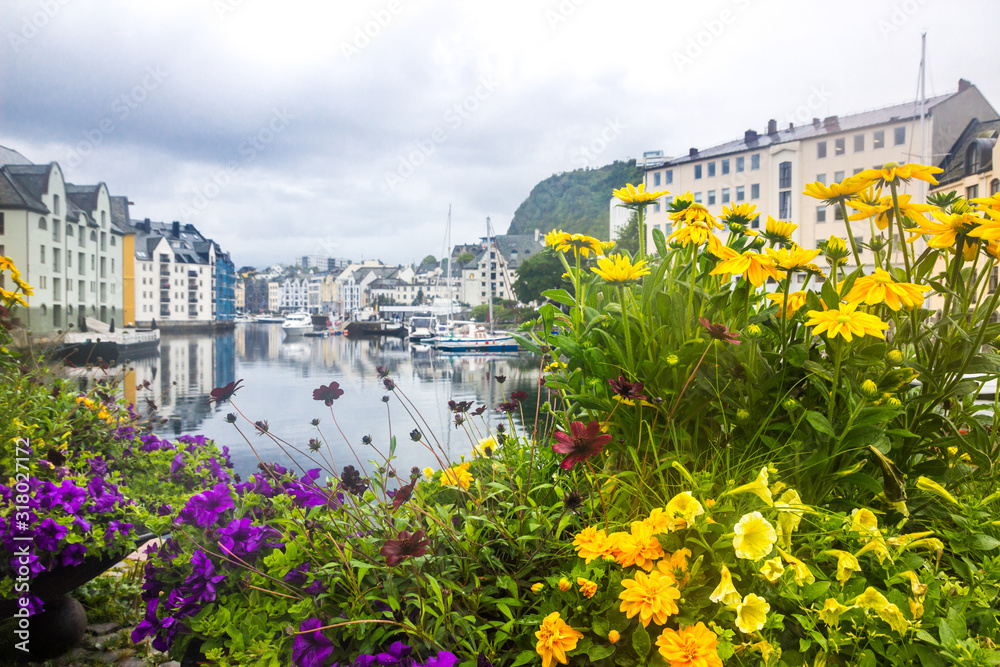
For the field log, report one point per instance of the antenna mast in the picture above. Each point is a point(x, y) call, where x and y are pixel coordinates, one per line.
point(923, 106)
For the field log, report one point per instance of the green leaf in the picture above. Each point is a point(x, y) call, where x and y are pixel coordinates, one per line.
point(797, 354)
point(640, 642)
point(946, 633)
point(524, 657)
point(983, 542)
point(819, 422)
point(599, 652)
point(814, 591)
point(559, 296)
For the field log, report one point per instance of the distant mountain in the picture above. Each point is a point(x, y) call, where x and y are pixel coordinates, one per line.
point(574, 201)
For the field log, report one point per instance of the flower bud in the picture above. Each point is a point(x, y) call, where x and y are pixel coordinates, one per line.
point(894, 402)
point(614, 636)
point(672, 360)
point(790, 404)
point(752, 332)
point(742, 415)
point(895, 357)
point(537, 588)
point(869, 389)
point(565, 584)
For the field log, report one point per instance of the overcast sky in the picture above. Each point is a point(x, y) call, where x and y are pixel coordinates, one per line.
point(347, 128)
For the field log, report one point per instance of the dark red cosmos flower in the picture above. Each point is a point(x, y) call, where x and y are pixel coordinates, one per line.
point(382, 371)
point(223, 394)
point(388, 384)
point(403, 494)
point(720, 332)
point(328, 394)
point(261, 426)
point(509, 406)
point(626, 389)
point(480, 410)
point(581, 443)
point(501, 378)
point(407, 546)
point(518, 396)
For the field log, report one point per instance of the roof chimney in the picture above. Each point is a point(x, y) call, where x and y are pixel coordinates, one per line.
point(815, 122)
point(750, 136)
point(693, 152)
point(964, 85)
point(831, 122)
point(177, 229)
point(772, 127)
point(791, 126)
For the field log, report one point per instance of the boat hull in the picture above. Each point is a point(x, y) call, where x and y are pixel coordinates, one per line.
point(489, 344)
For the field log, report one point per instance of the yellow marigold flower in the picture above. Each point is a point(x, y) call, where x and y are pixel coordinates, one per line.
point(634, 197)
point(751, 613)
point(789, 259)
point(565, 585)
point(880, 287)
point(893, 172)
point(592, 543)
point(614, 636)
point(458, 476)
point(652, 596)
point(537, 588)
point(778, 231)
point(619, 270)
point(725, 592)
point(845, 322)
point(929, 485)
point(803, 576)
point(555, 639)
point(945, 232)
point(659, 521)
point(485, 448)
point(758, 487)
point(847, 564)
point(676, 563)
point(754, 267)
point(428, 472)
point(884, 212)
point(795, 301)
point(587, 587)
point(836, 192)
point(755, 537)
point(831, 612)
point(693, 646)
point(639, 547)
point(685, 506)
point(772, 569)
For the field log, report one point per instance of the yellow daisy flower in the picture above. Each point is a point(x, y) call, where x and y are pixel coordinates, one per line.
point(880, 287)
point(619, 270)
point(634, 197)
point(845, 322)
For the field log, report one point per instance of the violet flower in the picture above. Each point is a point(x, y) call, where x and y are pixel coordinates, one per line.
point(311, 647)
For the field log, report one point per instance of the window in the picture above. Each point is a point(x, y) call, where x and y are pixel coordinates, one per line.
point(840, 146)
point(785, 204)
point(113, 241)
point(56, 260)
point(42, 224)
point(711, 169)
point(656, 209)
point(857, 170)
point(711, 197)
point(56, 289)
point(104, 241)
point(838, 176)
point(821, 214)
point(725, 166)
point(838, 213)
point(656, 178)
point(899, 135)
point(859, 143)
point(41, 254)
point(740, 162)
point(785, 175)
point(994, 188)
point(740, 193)
point(755, 223)
point(669, 176)
point(972, 192)
point(104, 221)
point(81, 238)
point(821, 178)
point(755, 191)
point(878, 139)
point(697, 197)
point(1, 223)
point(93, 262)
point(697, 171)
point(725, 195)
point(69, 230)
point(69, 260)
point(821, 149)
point(55, 231)
point(755, 161)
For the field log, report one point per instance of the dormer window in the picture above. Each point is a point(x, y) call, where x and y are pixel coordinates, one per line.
point(55, 205)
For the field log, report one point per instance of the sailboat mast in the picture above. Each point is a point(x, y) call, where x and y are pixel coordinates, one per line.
point(450, 251)
point(923, 105)
point(489, 272)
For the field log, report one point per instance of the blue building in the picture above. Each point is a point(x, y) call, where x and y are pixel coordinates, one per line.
point(225, 287)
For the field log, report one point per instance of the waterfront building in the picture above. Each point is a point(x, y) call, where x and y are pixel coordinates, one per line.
point(770, 170)
point(63, 240)
point(240, 295)
point(225, 287)
point(273, 296)
point(496, 261)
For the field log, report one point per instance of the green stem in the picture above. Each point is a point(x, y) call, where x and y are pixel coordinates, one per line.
point(626, 325)
point(850, 234)
point(690, 301)
point(832, 400)
point(902, 232)
point(640, 212)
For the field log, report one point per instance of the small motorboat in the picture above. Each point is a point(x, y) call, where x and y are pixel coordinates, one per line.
point(475, 338)
point(297, 324)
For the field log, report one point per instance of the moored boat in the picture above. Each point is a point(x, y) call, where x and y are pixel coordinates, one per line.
point(296, 324)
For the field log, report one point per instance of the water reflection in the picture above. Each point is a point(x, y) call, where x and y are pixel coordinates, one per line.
point(279, 377)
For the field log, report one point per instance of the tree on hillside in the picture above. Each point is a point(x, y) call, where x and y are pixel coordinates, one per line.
point(464, 258)
point(540, 272)
point(628, 236)
point(429, 259)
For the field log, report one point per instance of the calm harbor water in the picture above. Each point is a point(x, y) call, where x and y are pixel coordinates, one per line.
point(280, 374)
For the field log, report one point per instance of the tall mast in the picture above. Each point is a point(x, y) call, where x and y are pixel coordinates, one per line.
point(449, 251)
point(489, 272)
point(923, 105)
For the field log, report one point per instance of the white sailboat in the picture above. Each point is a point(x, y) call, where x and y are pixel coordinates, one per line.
point(473, 336)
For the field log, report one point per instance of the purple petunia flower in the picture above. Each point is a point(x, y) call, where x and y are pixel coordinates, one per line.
point(315, 588)
point(116, 527)
point(72, 554)
point(442, 659)
point(298, 575)
point(200, 584)
point(205, 508)
point(243, 540)
point(178, 464)
point(311, 649)
point(33, 564)
point(98, 466)
point(48, 534)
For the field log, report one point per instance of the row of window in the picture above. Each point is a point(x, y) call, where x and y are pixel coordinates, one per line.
point(740, 195)
point(739, 162)
point(81, 236)
point(878, 141)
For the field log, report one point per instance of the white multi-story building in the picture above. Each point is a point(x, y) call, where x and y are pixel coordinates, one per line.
point(294, 295)
point(771, 170)
point(273, 296)
point(62, 239)
point(174, 275)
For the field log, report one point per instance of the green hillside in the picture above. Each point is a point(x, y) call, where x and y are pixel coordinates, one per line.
point(574, 201)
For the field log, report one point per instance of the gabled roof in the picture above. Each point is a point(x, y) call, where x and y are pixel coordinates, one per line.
point(984, 133)
point(515, 248)
point(14, 194)
point(33, 178)
point(119, 213)
point(11, 156)
point(832, 125)
point(84, 196)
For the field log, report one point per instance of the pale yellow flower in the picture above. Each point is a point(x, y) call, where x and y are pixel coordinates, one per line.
point(758, 487)
point(685, 506)
point(790, 509)
point(751, 613)
point(847, 564)
point(725, 592)
point(772, 569)
point(831, 611)
point(755, 537)
point(803, 576)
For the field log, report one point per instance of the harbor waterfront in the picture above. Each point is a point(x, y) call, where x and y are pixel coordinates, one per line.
point(279, 375)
